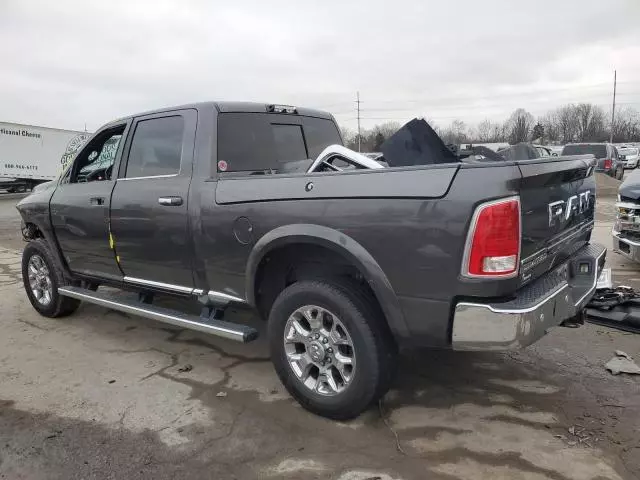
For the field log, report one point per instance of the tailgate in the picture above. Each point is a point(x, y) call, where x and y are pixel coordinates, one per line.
point(558, 205)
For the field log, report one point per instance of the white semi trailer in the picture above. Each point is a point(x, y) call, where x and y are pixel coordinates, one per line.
point(30, 155)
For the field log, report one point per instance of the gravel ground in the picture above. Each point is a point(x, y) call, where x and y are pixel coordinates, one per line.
point(104, 395)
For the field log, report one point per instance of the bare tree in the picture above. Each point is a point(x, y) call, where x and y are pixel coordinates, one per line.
point(626, 127)
point(455, 133)
point(484, 131)
point(550, 125)
point(590, 125)
point(348, 135)
point(568, 123)
point(519, 126)
point(386, 129)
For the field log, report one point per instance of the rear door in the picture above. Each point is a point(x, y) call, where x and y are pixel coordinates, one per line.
point(558, 204)
point(149, 223)
point(80, 205)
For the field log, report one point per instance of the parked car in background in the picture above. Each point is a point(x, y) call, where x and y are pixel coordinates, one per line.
point(607, 155)
point(545, 151)
point(557, 149)
point(626, 229)
point(630, 155)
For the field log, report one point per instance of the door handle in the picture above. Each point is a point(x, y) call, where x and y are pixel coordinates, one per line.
point(170, 201)
point(96, 201)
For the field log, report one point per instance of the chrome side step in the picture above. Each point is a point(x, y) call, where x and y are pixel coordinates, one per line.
point(232, 331)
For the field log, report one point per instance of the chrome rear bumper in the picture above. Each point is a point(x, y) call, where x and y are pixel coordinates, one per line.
point(557, 296)
point(624, 246)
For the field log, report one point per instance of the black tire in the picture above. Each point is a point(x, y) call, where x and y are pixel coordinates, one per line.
point(619, 173)
point(373, 347)
point(58, 306)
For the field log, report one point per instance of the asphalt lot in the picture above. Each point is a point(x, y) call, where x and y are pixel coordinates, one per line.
point(103, 395)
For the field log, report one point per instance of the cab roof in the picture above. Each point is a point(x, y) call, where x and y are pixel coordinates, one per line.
point(232, 107)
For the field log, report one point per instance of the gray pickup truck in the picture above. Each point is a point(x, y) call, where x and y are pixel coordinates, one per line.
point(346, 258)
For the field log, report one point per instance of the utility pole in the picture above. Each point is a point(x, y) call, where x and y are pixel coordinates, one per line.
point(613, 108)
point(358, 108)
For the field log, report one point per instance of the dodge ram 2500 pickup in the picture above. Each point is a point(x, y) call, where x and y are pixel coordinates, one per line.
point(346, 258)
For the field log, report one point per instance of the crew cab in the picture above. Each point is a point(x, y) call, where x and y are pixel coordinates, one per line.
point(345, 258)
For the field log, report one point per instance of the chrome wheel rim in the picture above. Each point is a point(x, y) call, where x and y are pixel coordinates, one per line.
point(319, 350)
point(40, 280)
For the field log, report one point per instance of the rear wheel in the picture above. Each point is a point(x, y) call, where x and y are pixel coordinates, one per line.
point(41, 278)
point(330, 348)
point(619, 173)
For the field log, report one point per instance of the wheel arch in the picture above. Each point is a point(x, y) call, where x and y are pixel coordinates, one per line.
point(339, 243)
point(32, 228)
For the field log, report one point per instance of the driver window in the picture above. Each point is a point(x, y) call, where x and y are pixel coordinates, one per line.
point(95, 162)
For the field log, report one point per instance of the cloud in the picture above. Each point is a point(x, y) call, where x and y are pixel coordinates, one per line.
point(67, 62)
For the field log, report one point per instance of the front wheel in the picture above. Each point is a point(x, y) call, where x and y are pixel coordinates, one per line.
point(41, 278)
point(330, 348)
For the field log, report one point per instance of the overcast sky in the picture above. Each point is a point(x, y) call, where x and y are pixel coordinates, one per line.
point(65, 63)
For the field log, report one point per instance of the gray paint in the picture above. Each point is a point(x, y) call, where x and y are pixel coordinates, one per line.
point(340, 243)
point(153, 241)
point(630, 188)
point(404, 229)
point(426, 182)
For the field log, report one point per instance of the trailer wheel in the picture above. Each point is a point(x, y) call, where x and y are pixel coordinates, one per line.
point(41, 278)
point(330, 348)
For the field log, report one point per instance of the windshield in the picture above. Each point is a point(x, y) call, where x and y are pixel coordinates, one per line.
point(629, 151)
point(600, 151)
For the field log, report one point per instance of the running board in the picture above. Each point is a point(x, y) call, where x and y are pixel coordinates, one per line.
point(232, 331)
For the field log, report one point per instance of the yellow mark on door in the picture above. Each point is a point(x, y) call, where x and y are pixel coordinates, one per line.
point(111, 242)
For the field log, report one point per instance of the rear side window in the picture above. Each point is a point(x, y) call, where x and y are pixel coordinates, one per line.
point(600, 151)
point(258, 142)
point(156, 148)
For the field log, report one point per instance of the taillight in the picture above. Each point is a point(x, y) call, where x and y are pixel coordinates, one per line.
point(493, 242)
point(607, 163)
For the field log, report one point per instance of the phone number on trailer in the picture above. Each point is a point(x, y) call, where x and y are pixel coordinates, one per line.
point(21, 167)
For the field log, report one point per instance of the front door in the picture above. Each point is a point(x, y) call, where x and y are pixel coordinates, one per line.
point(80, 206)
point(149, 221)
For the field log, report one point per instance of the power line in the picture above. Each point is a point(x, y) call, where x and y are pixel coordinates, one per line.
point(497, 95)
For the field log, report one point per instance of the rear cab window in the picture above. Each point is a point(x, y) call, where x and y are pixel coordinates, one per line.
point(271, 143)
point(599, 151)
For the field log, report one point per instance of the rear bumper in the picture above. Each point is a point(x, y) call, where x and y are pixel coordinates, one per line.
point(557, 296)
point(626, 247)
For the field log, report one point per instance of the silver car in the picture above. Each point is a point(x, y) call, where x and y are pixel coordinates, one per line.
point(631, 156)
